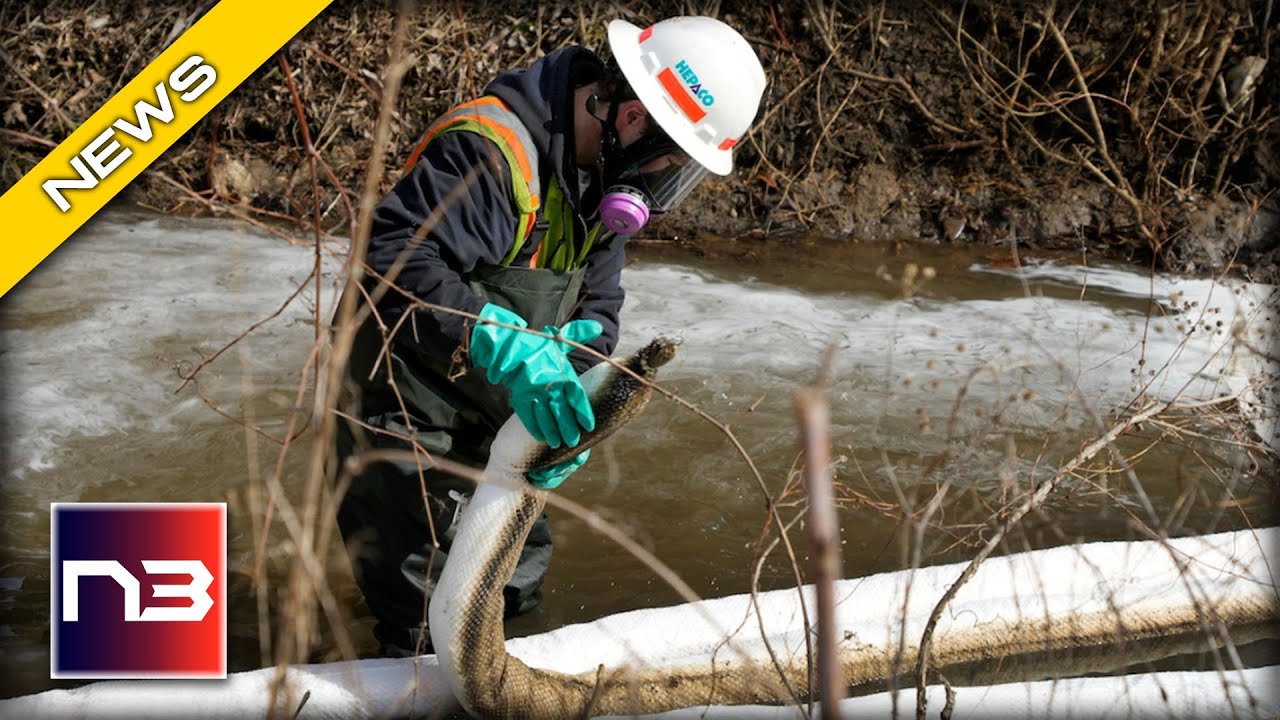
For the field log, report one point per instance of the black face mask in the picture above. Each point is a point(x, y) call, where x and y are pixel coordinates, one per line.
point(620, 162)
point(633, 193)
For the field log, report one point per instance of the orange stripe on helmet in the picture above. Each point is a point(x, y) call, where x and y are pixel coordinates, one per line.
point(684, 100)
point(645, 34)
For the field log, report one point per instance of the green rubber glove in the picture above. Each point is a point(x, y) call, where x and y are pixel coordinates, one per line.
point(545, 391)
point(551, 476)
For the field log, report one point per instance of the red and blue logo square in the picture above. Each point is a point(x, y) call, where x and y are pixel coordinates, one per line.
point(139, 590)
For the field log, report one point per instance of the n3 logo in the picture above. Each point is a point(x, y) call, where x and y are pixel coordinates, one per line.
point(196, 590)
point(139, 590)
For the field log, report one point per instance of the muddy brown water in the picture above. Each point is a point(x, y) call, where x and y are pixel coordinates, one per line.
point(977, 377)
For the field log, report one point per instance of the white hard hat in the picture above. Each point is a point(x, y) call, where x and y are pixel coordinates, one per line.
point(697, 77)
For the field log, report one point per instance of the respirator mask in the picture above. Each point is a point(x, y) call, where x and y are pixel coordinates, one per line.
point(649, 177)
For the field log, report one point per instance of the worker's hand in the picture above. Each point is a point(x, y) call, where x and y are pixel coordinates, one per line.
point(545, 392)
point(551, 477)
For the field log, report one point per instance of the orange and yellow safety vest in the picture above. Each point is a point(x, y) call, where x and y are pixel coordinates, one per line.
point(491, 118)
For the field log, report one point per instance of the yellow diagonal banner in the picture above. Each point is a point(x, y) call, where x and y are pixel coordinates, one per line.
point(139, 123)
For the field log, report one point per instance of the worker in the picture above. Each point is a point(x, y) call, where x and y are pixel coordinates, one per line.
point(514, 213)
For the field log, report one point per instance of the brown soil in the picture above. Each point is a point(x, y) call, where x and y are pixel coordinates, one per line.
point(1107, 128)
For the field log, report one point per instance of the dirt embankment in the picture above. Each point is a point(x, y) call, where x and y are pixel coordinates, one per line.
point(1144, 130)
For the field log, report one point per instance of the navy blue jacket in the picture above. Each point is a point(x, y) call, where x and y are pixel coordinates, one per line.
point(478, 226)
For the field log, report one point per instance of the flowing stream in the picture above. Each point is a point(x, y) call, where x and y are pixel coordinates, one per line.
point(969, 374)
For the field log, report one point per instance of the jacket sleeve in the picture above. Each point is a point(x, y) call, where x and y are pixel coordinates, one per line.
point(601, 300)
point(459, 190)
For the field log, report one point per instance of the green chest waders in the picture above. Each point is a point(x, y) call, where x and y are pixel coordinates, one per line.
point(454, 412)
point(447, 409)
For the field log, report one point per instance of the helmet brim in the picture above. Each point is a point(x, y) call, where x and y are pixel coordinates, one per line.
point(624, 42)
